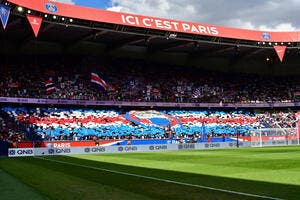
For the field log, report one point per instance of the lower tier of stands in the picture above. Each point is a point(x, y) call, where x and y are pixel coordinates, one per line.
point(76, 124)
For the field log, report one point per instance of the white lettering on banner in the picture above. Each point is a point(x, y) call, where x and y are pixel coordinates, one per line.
point(146, 22)
point(207, 30)
point(185, 27)
point(175, 24)
point(158, 23)
point(169, 25)
point(61, 145)
point(15, 152)
point(130, 20)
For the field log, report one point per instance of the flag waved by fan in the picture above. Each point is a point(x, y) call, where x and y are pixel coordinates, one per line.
point(99, 82)
point(198, 93)
point(50, 87)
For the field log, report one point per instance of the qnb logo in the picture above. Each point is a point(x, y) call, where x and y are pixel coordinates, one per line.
point(51, 7)
point(186, 146)
point(20, 152)
point(94, 150)
point(266, 36)
point(129, 148)
point(59, 151)
point(98, 149)
point(212, 145)
point(158, 147)
point(12, 152)
point(120, 149)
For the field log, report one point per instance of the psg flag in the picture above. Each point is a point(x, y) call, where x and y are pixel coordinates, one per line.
point(50, 88)
point(98, 81)
point(4, 14)
point(35, 23)
point(280, 50)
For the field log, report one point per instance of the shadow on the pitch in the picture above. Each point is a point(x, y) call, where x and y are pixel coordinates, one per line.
point(157, 189)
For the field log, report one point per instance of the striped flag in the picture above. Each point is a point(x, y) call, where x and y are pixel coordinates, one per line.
point(95, 78)
point(198, 93)
point(49, 86)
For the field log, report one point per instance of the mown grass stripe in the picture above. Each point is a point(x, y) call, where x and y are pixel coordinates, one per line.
point(12, 188)
point(162, 180)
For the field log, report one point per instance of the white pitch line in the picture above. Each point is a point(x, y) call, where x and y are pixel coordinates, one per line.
point(162, 180)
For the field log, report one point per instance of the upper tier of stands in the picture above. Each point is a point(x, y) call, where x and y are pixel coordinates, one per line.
point(140, 81)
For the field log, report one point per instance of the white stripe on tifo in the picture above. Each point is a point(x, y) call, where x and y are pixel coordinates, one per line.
point(162, 180)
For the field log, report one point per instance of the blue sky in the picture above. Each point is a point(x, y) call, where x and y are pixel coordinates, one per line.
point(93, 3)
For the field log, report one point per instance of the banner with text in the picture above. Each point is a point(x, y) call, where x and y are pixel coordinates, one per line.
point(145, 104)
point(21, 152)
point(104, 16)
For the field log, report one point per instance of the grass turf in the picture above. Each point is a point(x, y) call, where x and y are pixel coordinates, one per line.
point(11, 188)
point(273, 172)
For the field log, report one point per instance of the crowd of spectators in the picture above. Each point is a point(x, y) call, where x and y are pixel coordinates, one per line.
point(9, 133)
point(85, 123)
point(141, 81)
point(131, 80)
point(279, 119)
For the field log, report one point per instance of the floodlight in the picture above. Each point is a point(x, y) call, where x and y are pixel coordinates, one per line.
point(20, 9)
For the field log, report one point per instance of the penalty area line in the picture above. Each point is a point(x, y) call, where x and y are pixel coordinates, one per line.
point(161, 180)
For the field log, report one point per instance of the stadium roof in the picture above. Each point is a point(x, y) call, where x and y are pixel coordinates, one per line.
point(68, 24)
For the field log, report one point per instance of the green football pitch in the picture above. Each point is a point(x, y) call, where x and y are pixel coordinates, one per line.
point(253, 173)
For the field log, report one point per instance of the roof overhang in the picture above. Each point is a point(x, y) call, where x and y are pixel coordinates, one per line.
point(165, 27)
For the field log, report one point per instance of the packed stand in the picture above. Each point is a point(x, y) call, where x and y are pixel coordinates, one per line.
point(140, 81)
point(9, 133)
point(83, 124)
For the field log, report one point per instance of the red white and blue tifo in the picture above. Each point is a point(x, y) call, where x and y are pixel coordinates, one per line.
point(153, 118)
point(77, 124)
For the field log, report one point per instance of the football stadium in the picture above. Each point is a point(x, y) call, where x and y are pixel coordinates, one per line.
point(97, 104)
